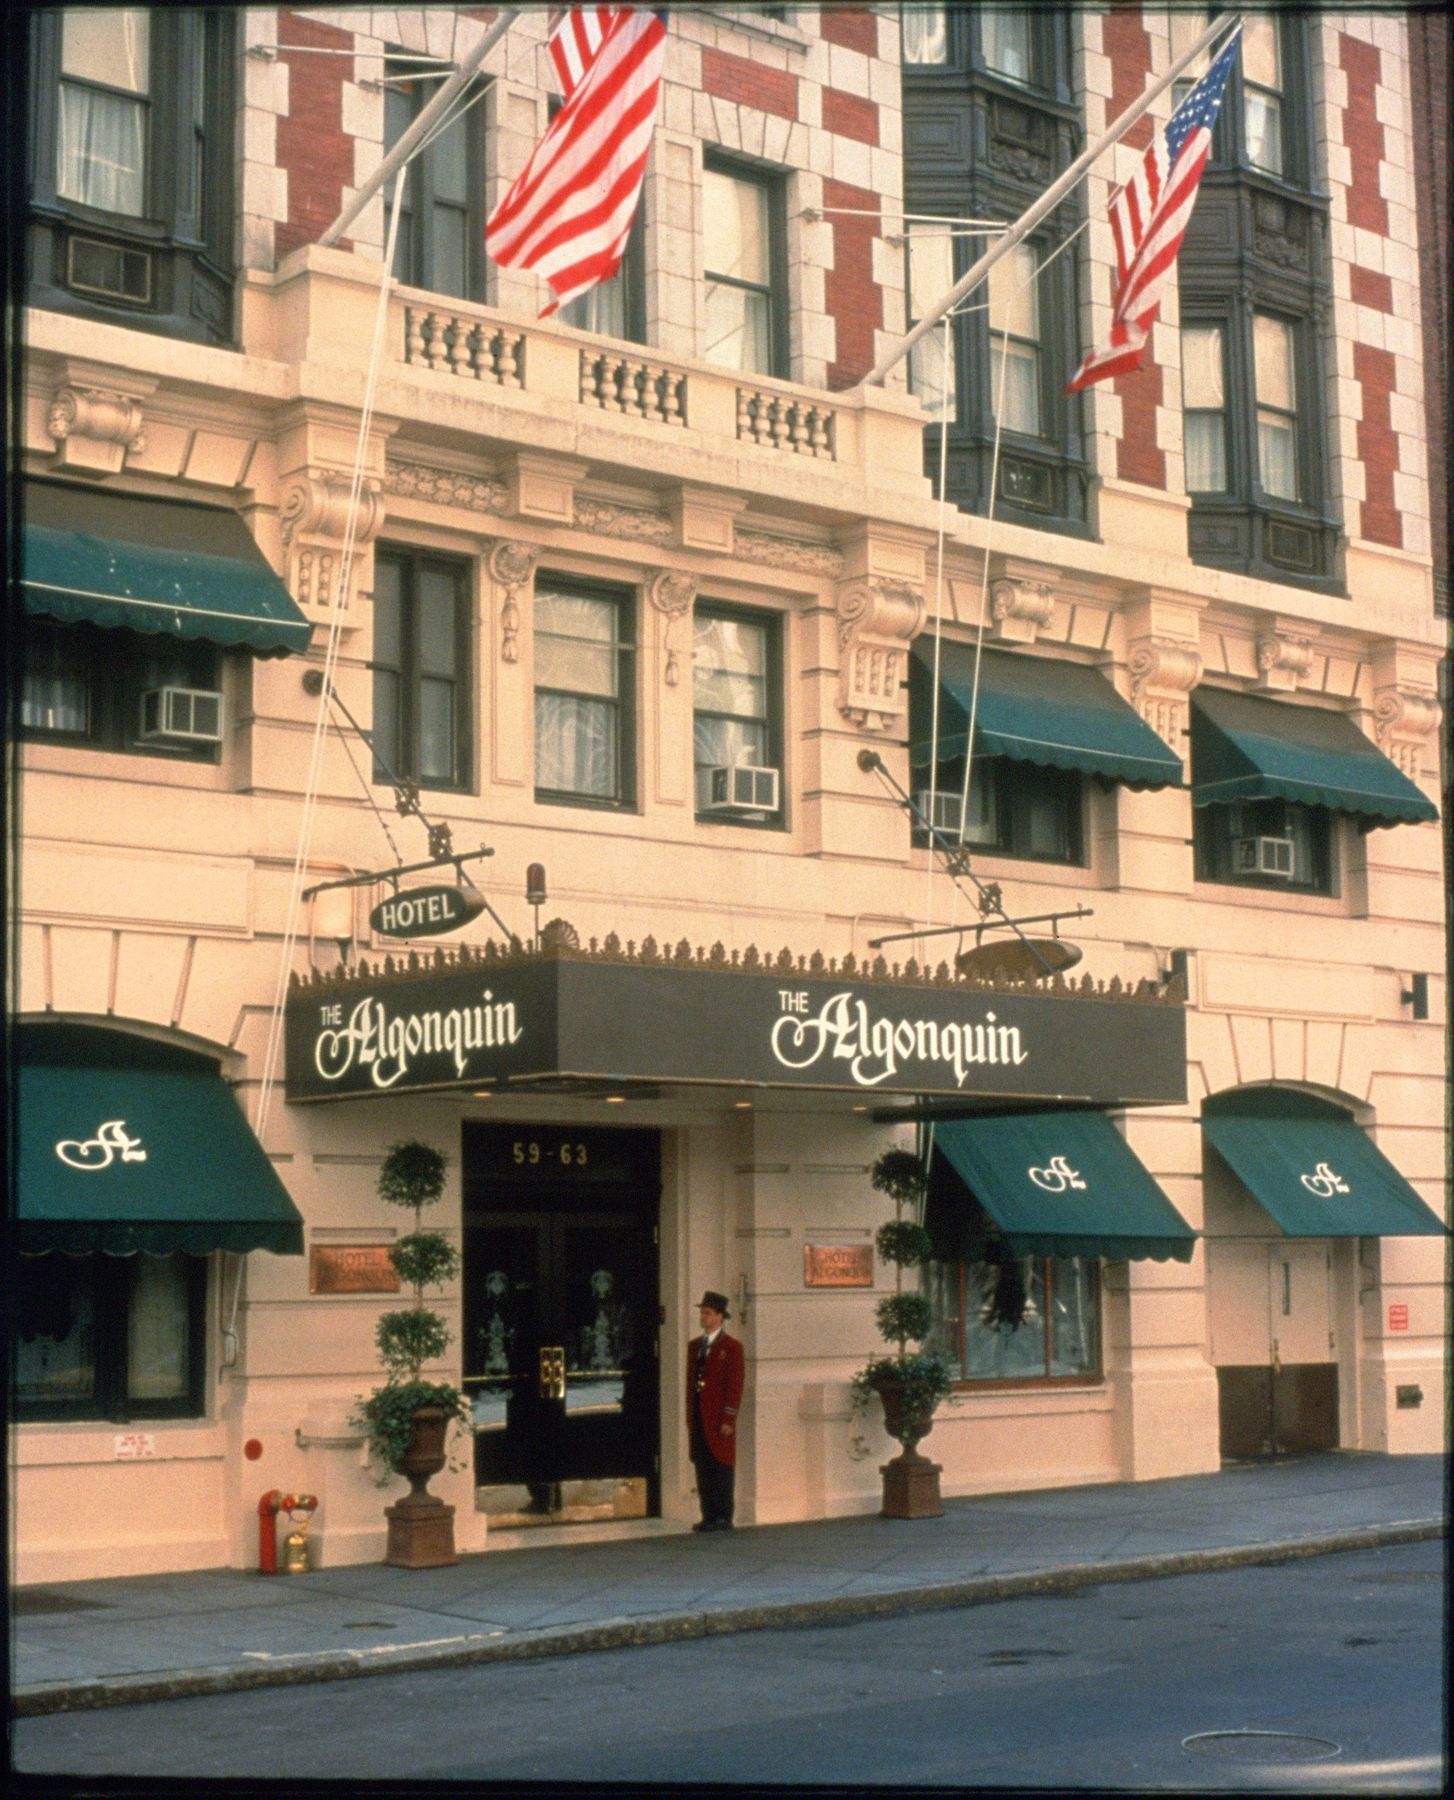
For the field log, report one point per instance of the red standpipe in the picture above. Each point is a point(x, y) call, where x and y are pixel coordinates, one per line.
point(267, 1532)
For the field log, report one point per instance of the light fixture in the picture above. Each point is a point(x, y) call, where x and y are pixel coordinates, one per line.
point(860, 1109)
point(484, 1094)
point(742, 1106)
point(615, 1099)
point(1416, 995)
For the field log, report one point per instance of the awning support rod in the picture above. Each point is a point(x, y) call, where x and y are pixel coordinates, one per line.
point(1050, 918)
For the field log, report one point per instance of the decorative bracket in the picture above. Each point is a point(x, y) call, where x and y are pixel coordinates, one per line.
point(512, 568)
point(314, 521)
point(95, 428)
point(1403, 723)
point(1020, 609)
point(878, 618)
point(1163, 673)
point(1282, 661)
point(672, 593)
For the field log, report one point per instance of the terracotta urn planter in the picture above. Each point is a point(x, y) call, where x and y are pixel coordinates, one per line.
point(421, 1526)
point(910, 1480)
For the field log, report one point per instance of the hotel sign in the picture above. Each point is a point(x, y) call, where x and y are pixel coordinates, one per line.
point(426, 911)
point(838, 1265)
point(507, 1022)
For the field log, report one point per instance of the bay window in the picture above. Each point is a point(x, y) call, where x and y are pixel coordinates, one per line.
point(1204, 403)
point(1275, 384)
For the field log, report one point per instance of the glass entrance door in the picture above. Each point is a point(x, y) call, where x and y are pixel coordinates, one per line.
point(561, 1320)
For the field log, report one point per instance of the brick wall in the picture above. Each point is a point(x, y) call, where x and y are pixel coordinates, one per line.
point(729, 77)
point(1429, 56)
point(850, 27)
point(313, 150)
point(853, 298)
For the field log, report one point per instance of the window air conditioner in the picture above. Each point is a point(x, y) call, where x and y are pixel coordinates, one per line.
point(944, 811)
point(742, 789)
point(1263, 856)
point(181, 715)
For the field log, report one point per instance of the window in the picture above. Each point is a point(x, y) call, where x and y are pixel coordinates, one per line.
point(925, 35)
point(1004, 35)
point(584, 695)
point(736, 721)
point(744, 259)
point(110, 1337)
point(1013, 43)
point(1204, 400)
point(421, 664)
point(1272, 844)
point(617, 307)
point(1261, 60)
point(130, 194)
point(933, 376)
point(1014, 333)
point(1056, 1301)
point(441, 226)
point(1276, 391)
point(1015, 809)
point(105, 690)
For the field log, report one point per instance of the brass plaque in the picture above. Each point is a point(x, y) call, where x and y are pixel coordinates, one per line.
point(837, 1265)
point(351, 1269)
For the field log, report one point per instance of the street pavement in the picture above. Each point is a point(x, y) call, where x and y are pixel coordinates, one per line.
point(132, 1639)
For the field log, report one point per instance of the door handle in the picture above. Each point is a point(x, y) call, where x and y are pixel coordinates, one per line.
point(552, 1371)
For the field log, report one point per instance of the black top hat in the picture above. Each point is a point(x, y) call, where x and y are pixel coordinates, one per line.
point(717, 1302)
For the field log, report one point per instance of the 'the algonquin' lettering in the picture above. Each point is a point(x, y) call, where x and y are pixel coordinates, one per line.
point(386, 1045)
point(875, 1048)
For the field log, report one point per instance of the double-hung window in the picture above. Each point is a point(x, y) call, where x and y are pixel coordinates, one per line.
point(736, 724)
point(1262, 84)
point(1275, 387)
point(441, 227)
point(584, 695)
point(1204, 403)
point(1273, 844)
point(745, 275)
point(1014, 333)
point(130, 176)
point(421, 662)
point(121, 690)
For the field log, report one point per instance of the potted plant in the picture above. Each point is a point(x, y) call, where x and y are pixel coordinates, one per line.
point(408, 1419)
point(910, 1384)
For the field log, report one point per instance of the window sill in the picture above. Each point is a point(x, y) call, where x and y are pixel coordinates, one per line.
point(93, 762)
point(41, 1443)
point(585, 803)
point(1236, 893)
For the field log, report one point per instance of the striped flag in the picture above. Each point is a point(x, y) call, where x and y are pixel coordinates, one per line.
point(568, 214)
point(1149, 219)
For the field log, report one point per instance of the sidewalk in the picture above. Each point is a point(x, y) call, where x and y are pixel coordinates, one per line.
point(121, 1641)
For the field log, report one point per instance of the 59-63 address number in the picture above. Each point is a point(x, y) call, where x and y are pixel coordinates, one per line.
point(529, 1153)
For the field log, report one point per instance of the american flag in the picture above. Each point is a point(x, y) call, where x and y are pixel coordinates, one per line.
point(1149, 219)
point(568, 214)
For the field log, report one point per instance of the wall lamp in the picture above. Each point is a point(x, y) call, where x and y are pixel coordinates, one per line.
point(1176, 968)
point(1416, 995)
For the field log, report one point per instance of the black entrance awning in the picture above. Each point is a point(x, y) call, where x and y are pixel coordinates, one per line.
point(1056, 1184)
point(98, 558)
point(1247, 748)
point(148, 1154)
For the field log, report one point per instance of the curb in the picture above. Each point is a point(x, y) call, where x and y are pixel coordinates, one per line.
point(668, 1628)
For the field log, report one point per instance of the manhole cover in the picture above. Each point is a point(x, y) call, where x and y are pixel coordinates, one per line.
point(30, 1603)
point(1261, 1746)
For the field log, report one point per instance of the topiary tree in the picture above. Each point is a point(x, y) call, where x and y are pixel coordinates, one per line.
point(412, 1175)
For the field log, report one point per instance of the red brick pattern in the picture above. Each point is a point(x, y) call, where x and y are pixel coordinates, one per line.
point(852, 27)
point(1371, 289)
point(846, 115)
point(853, 298)
point(1363, 134)
point(1138, 457)
point(1429, 62)
point(312, 147)
point(1377, 445)
point(729, 77)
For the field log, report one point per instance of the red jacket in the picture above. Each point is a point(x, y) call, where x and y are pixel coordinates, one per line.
point(721, 1393)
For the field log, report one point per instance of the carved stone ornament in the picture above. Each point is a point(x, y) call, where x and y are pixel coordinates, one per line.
point(314, 520)
point(1021, 609)
point(1163, 673)
point(512, 567)
point(95, 428)
point(1282, 662)
point(672, 594)
point(787, 553)
point(1403, 723)
point(446, 487)
point(637, 523)
point(878, 619)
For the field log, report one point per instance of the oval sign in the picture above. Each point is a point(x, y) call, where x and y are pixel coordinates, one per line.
point(426, 911)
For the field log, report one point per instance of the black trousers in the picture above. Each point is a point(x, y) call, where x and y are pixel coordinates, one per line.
point(715, 1481)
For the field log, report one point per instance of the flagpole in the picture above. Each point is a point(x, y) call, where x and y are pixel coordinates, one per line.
point(411, 139)
point(1052, 196)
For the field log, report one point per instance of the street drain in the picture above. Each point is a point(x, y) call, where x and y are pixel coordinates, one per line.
point(1261, 1746)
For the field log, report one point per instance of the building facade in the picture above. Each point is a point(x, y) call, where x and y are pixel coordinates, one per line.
point(687, 641)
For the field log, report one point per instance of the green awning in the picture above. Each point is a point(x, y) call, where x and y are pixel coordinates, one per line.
point(98, 558)
point(1247, 748)
point(156, 1157)
point(1058, 1184)
point(1059, 715)
point(1314, 1170)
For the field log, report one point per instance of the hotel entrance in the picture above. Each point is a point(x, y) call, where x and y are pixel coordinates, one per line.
point(561, 1317)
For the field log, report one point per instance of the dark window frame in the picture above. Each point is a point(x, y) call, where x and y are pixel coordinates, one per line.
point(1015, 784)
point(771, 624)
point(1049, 74)
point(400, 758)
point(626, 645)
point(113, 1279)
point(184, 235)
point(112, 663)
point(419, 181)
point(772, 181)
point(956, 1351)
point(1214, 830)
